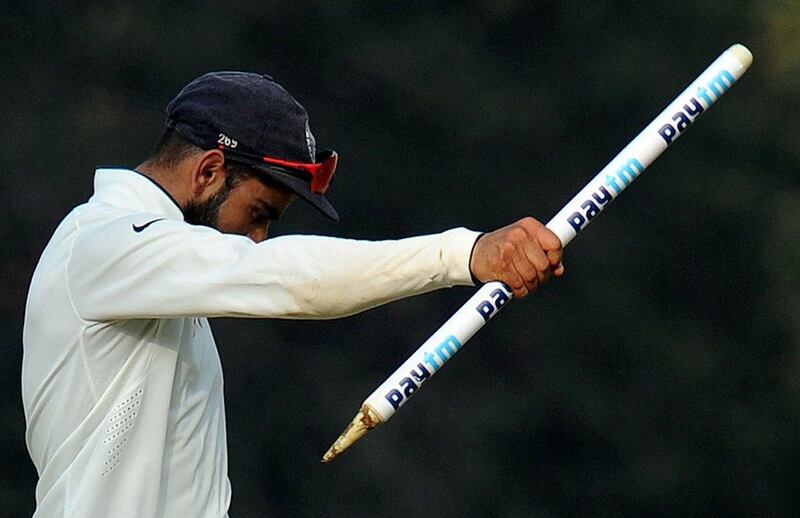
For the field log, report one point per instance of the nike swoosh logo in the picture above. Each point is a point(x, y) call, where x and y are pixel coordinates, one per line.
point(139, 228)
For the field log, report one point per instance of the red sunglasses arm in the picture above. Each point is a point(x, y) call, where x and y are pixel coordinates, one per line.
point(309, 168)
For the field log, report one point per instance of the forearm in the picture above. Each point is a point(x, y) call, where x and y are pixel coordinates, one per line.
point(342, 277)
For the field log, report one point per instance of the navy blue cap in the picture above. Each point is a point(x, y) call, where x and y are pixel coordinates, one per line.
point(250, 114)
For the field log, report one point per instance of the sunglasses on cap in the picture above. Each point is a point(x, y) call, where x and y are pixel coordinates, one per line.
point(321, 171)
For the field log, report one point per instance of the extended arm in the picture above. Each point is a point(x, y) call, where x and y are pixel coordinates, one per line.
point(173, 269)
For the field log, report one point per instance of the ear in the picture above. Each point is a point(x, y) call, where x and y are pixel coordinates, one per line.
point(208, 174)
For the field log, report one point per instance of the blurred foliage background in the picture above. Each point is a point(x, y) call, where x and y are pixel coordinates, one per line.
point(660, 376)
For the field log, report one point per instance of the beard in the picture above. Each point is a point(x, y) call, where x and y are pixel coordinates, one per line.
point(207, 213)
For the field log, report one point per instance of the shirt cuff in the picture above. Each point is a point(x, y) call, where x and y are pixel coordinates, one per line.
point(455, 254)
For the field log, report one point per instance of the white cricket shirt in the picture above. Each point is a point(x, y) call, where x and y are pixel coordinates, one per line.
point(121, 380)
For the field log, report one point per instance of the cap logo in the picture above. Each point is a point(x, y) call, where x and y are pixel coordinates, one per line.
point(310, 142)
point(226, 141)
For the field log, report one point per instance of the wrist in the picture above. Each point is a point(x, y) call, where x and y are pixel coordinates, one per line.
point(475, 280)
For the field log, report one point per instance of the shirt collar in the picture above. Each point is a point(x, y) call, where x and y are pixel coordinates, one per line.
point(129, 189)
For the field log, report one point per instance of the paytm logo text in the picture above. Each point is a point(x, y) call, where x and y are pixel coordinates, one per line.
point(431, 361)
point(487, 308)
point(615, 182)
point(718, 85)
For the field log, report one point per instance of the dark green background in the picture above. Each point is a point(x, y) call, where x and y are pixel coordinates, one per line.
point(660, 376)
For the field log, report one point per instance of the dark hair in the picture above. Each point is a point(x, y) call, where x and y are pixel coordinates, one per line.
point(237, 173)
point(172, 148)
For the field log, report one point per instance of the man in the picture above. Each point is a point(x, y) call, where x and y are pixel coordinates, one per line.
point(121, 379)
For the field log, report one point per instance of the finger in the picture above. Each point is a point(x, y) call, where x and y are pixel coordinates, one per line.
point(548, 239)
point(530, 276)
point(521, 293)
point(514, 280)
point(538, 260)
point(555, 257)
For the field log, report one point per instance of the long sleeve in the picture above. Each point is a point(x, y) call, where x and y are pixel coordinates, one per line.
point(173, 269)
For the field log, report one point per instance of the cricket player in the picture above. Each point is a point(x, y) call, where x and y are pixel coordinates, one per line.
point(121, 379)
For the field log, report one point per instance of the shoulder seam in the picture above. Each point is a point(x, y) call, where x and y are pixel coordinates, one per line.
point(81, 348)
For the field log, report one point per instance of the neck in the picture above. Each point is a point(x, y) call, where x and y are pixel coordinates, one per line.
point(168, 179)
